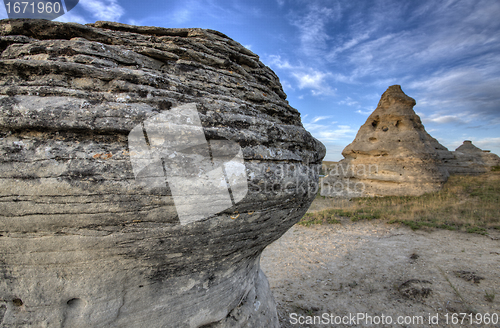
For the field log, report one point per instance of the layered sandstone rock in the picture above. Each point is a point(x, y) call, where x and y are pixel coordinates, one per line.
point(468, 147)
point(490, 159)
point(469, 159)
point(85, 242)
point(485, 157)
point(392, 154)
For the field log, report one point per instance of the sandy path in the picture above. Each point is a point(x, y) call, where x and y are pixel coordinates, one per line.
point(381, 269)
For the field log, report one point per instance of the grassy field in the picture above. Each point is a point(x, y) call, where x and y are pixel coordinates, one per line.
point(467, 203)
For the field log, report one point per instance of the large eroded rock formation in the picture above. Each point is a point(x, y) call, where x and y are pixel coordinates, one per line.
point(469, 159)
point(86, 244)
point(392, 154)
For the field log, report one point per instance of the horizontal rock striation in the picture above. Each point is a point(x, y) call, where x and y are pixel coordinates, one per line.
point(84, 244)
point(469, 159)
point(393, 155)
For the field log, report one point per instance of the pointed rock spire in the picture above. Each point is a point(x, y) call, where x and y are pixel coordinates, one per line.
point(392, 153)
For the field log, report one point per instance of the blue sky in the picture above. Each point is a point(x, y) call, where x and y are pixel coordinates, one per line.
point(335, 58)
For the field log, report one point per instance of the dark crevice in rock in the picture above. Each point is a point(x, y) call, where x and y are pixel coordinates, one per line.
point(3, 309)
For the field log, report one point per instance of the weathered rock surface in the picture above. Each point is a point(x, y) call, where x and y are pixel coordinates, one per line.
point(392, 154)
point(83, 243)
point(490, 159)
point(469, 159)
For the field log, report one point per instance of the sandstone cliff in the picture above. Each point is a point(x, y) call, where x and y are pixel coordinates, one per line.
point(84, 243)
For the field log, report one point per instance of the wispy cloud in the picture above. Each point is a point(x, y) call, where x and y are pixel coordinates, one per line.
point(72, 17)
point(133, 22)
point(88, 11)
point(444, 53)
point(485, 143)
point(316, 81)
point(328, 133)
point(341, 132)
point(312, 26)
point(455, 43)
point(488, 143)
point(348, 101)
point(364, 112)
point(319, 118)
point(109, 10)
point(461, 89)
point(446, 118)
point(182, 15)
point(277, 61)
point(218, 15)
point(286, 85)
point(351, 43)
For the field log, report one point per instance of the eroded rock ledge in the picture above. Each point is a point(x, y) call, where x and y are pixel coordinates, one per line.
point(83, 245)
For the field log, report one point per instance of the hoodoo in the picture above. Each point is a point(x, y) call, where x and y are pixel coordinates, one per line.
point(392, 154)
point(133, 173)
point(469, 159)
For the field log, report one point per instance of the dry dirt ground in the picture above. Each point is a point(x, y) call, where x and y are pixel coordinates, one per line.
point(372, 268)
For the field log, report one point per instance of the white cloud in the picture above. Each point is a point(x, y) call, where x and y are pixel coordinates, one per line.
point(364, 112)
point(443, 119)
point(280, 2)
point(313, 127)
point(354, 41)
point(488, 143)
point(182, 15)
point(276, 61)
point(319, 118)
point(314, 80)
point(109, 10)
point(349, 102)
point(286, 85)
point(444, 54)
point(313, 33)
point(327, 133)
point(134, 22)
point(306, 77)
point(340, 133)
point(471, 92)
point(72, 17)
point(392, 42)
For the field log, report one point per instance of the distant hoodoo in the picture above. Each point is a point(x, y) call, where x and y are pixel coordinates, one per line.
point(393, 155)
point(469, 159)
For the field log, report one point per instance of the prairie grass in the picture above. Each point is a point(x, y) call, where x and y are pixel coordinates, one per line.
point(466, 203)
